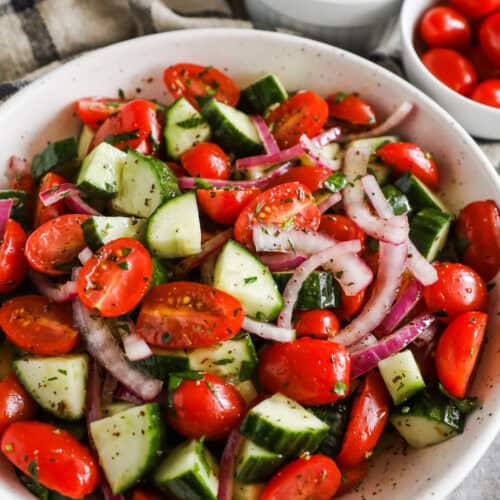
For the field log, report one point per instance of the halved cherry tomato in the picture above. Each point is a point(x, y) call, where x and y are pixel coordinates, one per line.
point(15, 403)
point(405, 157)
point(52, 457)
point(12, 261)
point(54, 246)
point(207, 407)
point(475, 8)
point(445, 27)
point(458, 349)
point(224, 206)
point(487, 92)
point(116, 278)
point(286, 367)
point(350, 108)
point(316, 323)
point(141, 494)
point(350, 305)
point(369, 416)
point(342, 228)
point(137, 121)
point(352, 476)
point(39, 326)
point(206, 160)
point(489, 37)
point(303, 113)
point(93, 111)
point(43, 213)
point(183, 315)
point(289, 205)
point(314, 477)
point(192, 81)
point(312, 177)
point(176, 169)
point(458, 289)
point(24, 183)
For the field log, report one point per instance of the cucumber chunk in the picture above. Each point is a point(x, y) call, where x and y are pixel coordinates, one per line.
point(86, 136)
point(247, 390)
point(254, 463)
point(429, 231)
point(381, 172)
point(418, 194)
point(161, 274)
point(99, 230)
point(397, 200)
point(59, 156)
point(117, 407)
point(261, 94)
point(336, 415)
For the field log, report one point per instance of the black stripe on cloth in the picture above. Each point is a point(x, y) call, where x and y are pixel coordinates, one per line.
point(7, 89)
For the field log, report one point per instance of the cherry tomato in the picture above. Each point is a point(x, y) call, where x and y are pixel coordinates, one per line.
point(341, 228)
point(54, 246)
point(116, 278)
point(15, 403)
point(43, 213)
point(286, 367)
point(314, 477)
point(369, 415)
point(475, 8)
point(303, 113)
point(446, 28)
point(316, 323)
point(405, 157)
point(137, 120)
point(93, 111)
point(206, 160)
point(192, 81)
point(183, 315)
point(289, 205)
point(350, 108)
point(352, 476)
point(52, 457)
point(207, 407)
point(489, 37)
point(141, 494)
point(452, 69)
point(487, 92)
point(458, 349)
point(12, 261)
point(485, 70)
point(312, 177)
point(224, 206)
point(350, 305)
point(458, 289)
point(176, 169)
point(39, 326)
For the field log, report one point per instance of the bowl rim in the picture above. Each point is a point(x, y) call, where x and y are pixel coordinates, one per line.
point(462, 465)
point(407, 29)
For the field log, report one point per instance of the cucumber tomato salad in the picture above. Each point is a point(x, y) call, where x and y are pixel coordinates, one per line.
point(233, 296)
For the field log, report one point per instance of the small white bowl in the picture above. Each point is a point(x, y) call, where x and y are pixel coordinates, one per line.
point(478, 119)
point(355, 25)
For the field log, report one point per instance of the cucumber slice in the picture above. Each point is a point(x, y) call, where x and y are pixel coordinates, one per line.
point(114, 408)
point(418, 194)
point(100, 171)
point(58, 384)
point(397, 200)
point(380, 171)
point(59, 156)
point(188, 472)
point(243, 491)
point(402, 376)
point(254, 463)
point(127, 444)
point(281, 425)
point(243, 276)
point(232, 129)
point(160, 273)
point(247, 390)
point(144, 184)
point(174, 229)
point(86, 136)
point(429, 231)
point(19, 211)
point(163, 362)
point(184, 128)
point(331, 151)
point(336, 415)
point(261, 94)
point(375, 142)
point(99, 230)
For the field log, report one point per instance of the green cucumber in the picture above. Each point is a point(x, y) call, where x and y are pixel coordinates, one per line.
point(336, 415)
point(254, 463)
point(380, 171)
point(84, 141)
point(429, 230)
point(161, 274)
point(261, 94)
point(331, 151)
point(19, 210)
point(418, 194)
point(59, 156)
point(397, 200)
point(117, 407)
point(99, 230)
point(247, 390)
point(243, 491)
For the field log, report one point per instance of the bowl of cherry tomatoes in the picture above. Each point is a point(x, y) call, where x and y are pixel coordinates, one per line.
point(451, 50)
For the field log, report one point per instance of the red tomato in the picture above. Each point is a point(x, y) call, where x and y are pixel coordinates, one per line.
point(478, 227)
point(314, 477)
point(312, 177)
point(457, 351)
point(176, 169)
point(405, 157)
point(54, 246)
point(136, 118)
point(39, 326)
point(93, 111)
point(286, 367)
point(183, 315)
point(192, 81)
point(341, 228)
point(206, 160)
point(140, 494)
point(207, 407)
point(23, 183)
point(487, 92)
point(43, 213)
point(350, 305)
point(288, 204)
point(369, 415)
point(485, 70)
point(15, 403)
point(316, 323)
point(459, 289)
point(489, 37)
point(12, 261)
point(452, 69)
point(445, 27)
point(350, 108)
point(475, 8)
point(303, 113)
point(224, 206)
point(116, 278)
point(352, 476)
point(52, 457)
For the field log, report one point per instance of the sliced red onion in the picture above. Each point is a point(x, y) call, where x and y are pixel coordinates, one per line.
point(58, 193)
point(228, 465)
point(269, 331)
point(265, 135)
point(426, 339)
point(418, 265)
point(136, 348)
point(376, 196)
point(352, 273)
point(58, 292)
point(329, 202)
point(85, 255)
point(107, 493)
point(314, 152)
point(324, 138)
point(77, 206)
point(5, 210)
point(364, 360)
point(368, 341)
point(270, 159)
point(278, 262)
point(108, 388)
point(124, 394)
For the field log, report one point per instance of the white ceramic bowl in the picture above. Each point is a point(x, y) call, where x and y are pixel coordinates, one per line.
point(480, 120)
point(355, 25)
point(43, 111)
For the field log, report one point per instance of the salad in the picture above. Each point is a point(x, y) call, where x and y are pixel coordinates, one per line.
point(233, 296)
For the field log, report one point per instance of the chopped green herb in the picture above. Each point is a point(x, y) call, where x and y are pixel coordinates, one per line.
point(224, 361)
point(193, 122)
point(166, 337)
point(123, 265)
point(340, 96)
point(126, 251)
point(114, 139)
point(202, 184)
point(288, 223)
point(64, 372)
point(258, 208)
point(250, 279)
point(335, 182)
point(339, 388)
point(33, 469)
